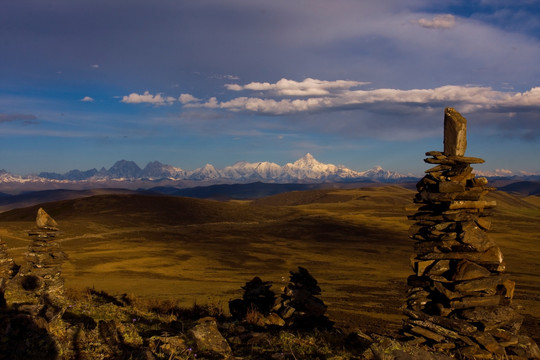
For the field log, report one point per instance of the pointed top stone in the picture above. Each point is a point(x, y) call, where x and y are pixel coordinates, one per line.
point(45, 221)
point(455, 133)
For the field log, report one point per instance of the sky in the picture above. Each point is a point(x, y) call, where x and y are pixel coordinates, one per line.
point(358, 83)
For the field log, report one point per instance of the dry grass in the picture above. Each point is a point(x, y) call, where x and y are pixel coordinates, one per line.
point(184, 252)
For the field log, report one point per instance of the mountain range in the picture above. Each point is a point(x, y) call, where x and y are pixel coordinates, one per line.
point(304, 170)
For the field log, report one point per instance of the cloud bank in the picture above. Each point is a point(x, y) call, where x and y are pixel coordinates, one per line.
point(307, 87)
point(313, 95)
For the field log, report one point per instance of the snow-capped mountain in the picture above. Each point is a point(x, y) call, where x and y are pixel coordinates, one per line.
point(381, 174)
point(156, 170)
point(243, 170)
point(207, 172)
point(306, 170)
point(124, 169)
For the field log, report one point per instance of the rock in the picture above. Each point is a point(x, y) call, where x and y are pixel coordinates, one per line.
point(439, 268)
point(274, 319)
point(45, 221)
point(474, 301)
point(464, 204)
point(467, 270)
point(494, 317)
point(258, 296)
point(428, 334)
point(208, 338)
point(483, 222)
point(450, 186)
point(455, 133)
point(489, 343)
point(525, 348)
point(475, 237)
point(492, 255)
point(487, 285)
point(167, 345)
point(474, 352)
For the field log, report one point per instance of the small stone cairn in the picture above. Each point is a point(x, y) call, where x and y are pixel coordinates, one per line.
point(44, 257)
point(40, 277)
point(6, 270)
point(460, 299)
point(297, 306)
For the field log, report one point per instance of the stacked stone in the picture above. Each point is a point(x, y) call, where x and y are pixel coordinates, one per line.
point(42, 271)
point(299, 304)
point(6, 270)
point(257, 296)
point(459, 297)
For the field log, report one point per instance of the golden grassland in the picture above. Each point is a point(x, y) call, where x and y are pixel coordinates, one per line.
point(198, 251)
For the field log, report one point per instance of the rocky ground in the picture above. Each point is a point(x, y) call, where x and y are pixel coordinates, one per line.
point(96, 325)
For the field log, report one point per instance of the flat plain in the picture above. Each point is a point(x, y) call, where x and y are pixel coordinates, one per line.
point(353, 241)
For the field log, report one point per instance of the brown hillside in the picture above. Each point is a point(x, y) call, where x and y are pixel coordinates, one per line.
point(138, 210)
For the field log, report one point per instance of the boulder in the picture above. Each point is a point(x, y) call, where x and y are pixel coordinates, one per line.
point(208, 338)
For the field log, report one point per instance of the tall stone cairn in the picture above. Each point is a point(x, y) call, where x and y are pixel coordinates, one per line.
point(459, 298)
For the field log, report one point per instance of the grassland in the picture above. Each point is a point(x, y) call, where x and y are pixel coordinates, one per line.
point(353, 241)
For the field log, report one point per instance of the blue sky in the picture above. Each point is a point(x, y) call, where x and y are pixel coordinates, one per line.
point(360, 83)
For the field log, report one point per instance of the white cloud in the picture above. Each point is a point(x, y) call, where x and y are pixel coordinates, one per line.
point(527, 98)
point(446, 21)
point(87, 99)
point(94, 66)
point(337, 95)
point(307, 87)
point(187, 98)
point(148, 98)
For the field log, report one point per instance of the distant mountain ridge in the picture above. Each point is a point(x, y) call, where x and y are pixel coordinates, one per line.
point(304, 170)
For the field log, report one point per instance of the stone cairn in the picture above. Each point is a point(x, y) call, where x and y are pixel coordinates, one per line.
point(6, 270)
point(39, 279)
point(298, 305)
point(459, 298)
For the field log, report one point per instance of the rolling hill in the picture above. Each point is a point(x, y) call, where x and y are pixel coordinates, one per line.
point(354, 241)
